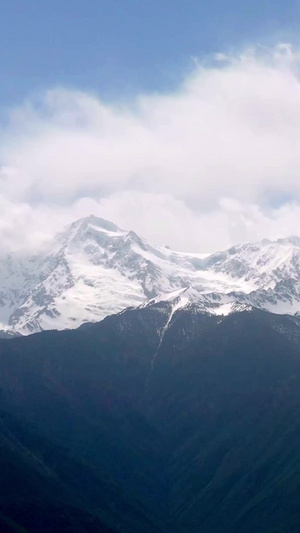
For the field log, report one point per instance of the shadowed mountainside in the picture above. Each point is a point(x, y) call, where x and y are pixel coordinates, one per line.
point(153, 420)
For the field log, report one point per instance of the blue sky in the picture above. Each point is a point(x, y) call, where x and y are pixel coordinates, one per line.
point(121, 47)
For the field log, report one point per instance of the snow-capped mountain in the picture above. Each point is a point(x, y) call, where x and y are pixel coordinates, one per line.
point(94, 269)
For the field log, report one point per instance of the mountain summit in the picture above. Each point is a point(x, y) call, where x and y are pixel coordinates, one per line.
point(94, 268)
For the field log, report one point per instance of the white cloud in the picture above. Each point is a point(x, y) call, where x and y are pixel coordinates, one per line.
point(213, 163)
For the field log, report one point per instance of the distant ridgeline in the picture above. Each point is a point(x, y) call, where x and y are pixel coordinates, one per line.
point(94, 269)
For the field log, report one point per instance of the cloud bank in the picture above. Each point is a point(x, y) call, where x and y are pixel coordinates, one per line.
point(215, 163)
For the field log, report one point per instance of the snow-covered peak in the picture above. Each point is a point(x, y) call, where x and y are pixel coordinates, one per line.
point(263, 264)
point(85, 229)
point(94, 268)
point(92, 221)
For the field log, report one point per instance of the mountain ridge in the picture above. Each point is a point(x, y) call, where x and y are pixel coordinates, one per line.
point(94, 268)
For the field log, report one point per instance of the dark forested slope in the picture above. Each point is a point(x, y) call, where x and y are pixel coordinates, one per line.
point(130, 426)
